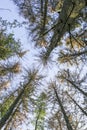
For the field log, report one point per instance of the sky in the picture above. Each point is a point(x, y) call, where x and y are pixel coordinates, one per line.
point(9, 12)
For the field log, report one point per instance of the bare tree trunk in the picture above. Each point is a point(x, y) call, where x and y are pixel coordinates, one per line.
point(41, 7)
point(76, 87)
point(69, 127)
point(59, 122)
point(78, 105)
point(36, 123)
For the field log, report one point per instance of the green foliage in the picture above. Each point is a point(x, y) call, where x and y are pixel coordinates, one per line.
point(8, 45)
point(5, 106)
point(40, 111)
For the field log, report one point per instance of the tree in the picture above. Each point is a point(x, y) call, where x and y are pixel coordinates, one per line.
point(69, 127)
point(63, 104)
point(9, 47)
point(29, 86)
point(40, 112)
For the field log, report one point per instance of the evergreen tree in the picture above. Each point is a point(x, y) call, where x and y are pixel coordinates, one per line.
point(61, 103)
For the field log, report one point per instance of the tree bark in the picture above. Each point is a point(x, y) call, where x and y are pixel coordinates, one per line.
point(69, 127)
point(70, 11)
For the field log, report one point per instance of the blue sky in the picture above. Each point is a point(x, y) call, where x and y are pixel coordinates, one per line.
point(11, 14)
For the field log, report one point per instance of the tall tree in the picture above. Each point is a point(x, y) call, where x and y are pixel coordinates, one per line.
point(52, 24)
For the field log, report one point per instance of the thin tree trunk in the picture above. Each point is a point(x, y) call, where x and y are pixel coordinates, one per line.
point(45, 13)
point(69, 127)
point(41, 2)
point(59, 122)
point(76, 87)
point(36, 124)
point(44, 17)
point(12, 108)
point(85, 113)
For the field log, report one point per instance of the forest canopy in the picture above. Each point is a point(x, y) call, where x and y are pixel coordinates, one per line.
point(53, 92)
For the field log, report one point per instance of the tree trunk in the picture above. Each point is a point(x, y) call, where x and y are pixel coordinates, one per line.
point(78, 105)
point(69, 127)
point(76, 87)
point(12, 107)
point(70, 11)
